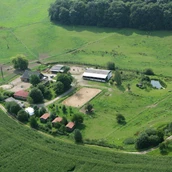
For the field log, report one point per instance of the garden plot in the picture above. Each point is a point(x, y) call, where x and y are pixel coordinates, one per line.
point(81, 97)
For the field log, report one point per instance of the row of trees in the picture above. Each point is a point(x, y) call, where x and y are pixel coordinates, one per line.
point(139, 14)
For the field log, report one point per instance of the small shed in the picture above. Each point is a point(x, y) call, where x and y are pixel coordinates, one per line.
point(57, 120)
point(30, 111)
point(57, 69)
point(11, 99)
point(70, 126)
point(44, 117)
point(21, 94)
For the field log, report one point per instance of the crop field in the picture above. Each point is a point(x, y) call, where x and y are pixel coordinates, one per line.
point(21, 148)
point(81, 97)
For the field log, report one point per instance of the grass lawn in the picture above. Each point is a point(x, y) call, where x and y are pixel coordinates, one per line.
point(142, 109)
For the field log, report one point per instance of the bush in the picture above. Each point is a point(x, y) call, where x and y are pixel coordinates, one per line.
point(129, 141)
point(111, 66)
point(120, 119)
point(148, 72)
point(22, 116)
point(149, 138)
point(78, 136)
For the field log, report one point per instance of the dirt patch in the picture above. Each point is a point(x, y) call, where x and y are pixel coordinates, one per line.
point(19, 85)
point(6, 87)
point(43, 56)
point(75, 70)
point(81, 97)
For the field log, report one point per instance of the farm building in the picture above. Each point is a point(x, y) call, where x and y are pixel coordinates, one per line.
point(21, 94)
point(30, 111)
point(58, 119)
point(57, 69)
point(11, 99)
point(44, 117)
point(70, 126)
point(97, 75)
point(28, 73)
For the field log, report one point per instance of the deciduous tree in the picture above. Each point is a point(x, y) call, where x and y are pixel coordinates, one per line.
point(20, 62)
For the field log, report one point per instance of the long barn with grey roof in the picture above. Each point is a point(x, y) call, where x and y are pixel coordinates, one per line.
point(97, 75)
point(57, 68)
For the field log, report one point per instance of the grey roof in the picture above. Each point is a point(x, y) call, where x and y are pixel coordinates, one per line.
point(57, 68)
point(97, 71)
point(27, 74)
point(11, 99)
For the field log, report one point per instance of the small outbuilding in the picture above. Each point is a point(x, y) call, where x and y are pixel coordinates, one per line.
point(57, 119)
point(22, 95)
point(30, 111)
point(70, 126)
point(44, 117)
point(11, 99)
point(57, 69)
point(97, 74)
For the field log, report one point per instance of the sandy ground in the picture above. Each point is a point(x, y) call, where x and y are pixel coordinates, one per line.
point(75, 70)
point(81, 97)
point(17, 85)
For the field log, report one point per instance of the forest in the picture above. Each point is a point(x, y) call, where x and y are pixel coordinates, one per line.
point(138, 14)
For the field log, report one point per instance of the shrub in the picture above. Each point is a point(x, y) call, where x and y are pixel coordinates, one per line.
point(149, 72)
point(120, 119)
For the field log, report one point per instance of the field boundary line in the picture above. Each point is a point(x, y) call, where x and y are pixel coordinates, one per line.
point(135, 117)
point(23, 44)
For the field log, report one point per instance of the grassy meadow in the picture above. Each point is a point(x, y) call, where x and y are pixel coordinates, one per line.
point(21, 148)
point(25, 28)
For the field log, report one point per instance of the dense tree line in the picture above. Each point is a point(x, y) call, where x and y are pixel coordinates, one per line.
point(139, 14)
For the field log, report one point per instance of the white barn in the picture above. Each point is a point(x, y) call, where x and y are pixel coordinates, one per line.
point(97, 75)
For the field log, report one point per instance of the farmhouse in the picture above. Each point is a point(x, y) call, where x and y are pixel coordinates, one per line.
point(21, 94)
point(57, 69)
point(28, 73)
point(44, 117)
point(70, 126)
point(97, 75)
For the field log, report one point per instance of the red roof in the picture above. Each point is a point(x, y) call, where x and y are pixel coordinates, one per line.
point(58, 119)
point(70, 125)
point(21, 93)
point(45, 116)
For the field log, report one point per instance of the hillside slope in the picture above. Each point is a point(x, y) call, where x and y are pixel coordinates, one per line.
point(23, 149)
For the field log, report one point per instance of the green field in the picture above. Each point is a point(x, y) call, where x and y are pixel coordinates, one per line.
point(23, 149)
point(25, 28)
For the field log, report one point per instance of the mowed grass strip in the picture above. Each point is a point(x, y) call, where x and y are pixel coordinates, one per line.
point(21, 148)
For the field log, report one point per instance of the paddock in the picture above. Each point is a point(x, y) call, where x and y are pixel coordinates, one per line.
point(81, 97)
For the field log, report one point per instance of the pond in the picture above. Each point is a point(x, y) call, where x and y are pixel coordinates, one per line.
point(156, 84)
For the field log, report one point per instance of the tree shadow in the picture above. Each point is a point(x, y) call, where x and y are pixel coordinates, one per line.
point(122, 31)
point(81, 126)
point(121, 88)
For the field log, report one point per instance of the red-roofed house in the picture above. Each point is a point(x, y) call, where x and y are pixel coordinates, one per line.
point(44, 117)
point(57, 120)
point(70, 126)
point(21, 95)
